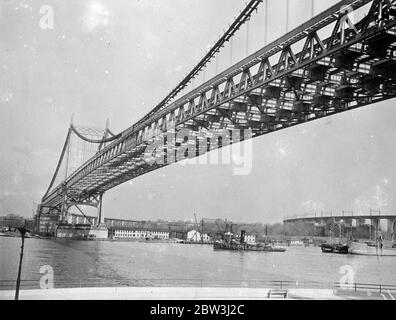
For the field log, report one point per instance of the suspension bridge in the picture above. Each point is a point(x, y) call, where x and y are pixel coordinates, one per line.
point(327, 65)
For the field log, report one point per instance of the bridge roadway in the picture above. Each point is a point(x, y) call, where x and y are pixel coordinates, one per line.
point(347, 218)
point(300, 77)
point(340, 217)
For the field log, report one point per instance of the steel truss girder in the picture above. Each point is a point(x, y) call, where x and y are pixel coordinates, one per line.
point(287, 89)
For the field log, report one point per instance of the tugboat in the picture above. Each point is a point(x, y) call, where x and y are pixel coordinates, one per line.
point(229, 243)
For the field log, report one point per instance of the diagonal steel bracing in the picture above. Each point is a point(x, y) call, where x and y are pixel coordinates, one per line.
point(300, 77)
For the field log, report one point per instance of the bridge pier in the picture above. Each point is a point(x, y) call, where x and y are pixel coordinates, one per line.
point(99, 229)
point(65, 216)
point(375, 228)
point(347, 227)
point(372, 228)
point(359, 222)
point(100, 216)
point(390, 229)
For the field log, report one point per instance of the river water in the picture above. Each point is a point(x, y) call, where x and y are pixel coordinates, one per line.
point(121, 263)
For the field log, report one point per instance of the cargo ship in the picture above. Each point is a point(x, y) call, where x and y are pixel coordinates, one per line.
point(229, 243)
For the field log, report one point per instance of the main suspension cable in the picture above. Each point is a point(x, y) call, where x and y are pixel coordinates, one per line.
point(235, 26)
point(103, 140)
point(59, 162)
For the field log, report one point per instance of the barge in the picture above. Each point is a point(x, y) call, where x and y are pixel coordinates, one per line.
point(371, 249)
point(220, 245)
point(230, 243)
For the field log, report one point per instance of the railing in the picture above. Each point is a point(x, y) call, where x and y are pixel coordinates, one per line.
point(365, 287)
point(218, 283)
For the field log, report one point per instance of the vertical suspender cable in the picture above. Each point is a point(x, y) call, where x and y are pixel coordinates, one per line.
point(67, 159)
point(60, 161)
point(312, 8)
point(231, 42)
point(287, 14)
point(227, 36)
point(266, 22)
point(247, 38)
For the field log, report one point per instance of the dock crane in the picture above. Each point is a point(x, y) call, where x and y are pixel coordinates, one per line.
point(197, 228)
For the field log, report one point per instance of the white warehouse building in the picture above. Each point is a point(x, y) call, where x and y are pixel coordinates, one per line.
point(196, 236)
point(123, 233)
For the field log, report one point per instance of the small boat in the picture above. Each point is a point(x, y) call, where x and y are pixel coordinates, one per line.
point(13, 234)
point(291, 242)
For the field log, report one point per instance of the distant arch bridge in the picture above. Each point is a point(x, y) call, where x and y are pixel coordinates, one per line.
point(348, 218)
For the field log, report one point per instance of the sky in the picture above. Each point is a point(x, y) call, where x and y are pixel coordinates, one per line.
point(103, 59)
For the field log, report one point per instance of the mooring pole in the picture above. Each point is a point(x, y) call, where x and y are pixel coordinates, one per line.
point(22, 231)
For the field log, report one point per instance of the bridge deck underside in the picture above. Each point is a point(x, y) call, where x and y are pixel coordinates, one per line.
point(297, 79)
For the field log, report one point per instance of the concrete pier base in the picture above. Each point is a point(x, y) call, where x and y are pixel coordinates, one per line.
point(82, 231)
point(99, 232)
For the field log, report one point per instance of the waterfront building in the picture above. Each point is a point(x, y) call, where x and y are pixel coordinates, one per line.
point(196, 236)
point(177, 234)
point(249, 238)
point(123, 223)
point(193, 236)
point(206, 238)
point(129, 233)
point(293, 242)
point(13, 221)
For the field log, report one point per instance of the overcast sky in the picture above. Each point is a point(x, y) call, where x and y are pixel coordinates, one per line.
point(116, 59)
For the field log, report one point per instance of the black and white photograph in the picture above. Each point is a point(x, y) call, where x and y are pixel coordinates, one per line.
point(177, 151)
